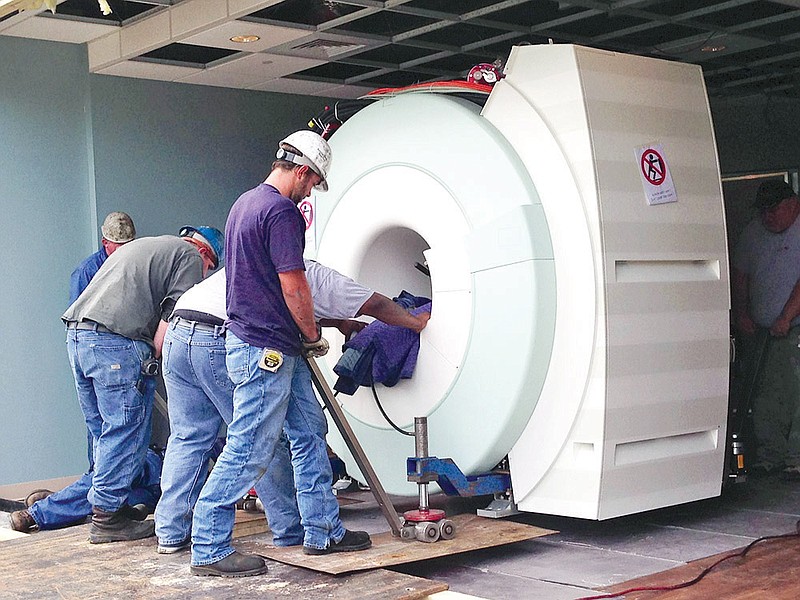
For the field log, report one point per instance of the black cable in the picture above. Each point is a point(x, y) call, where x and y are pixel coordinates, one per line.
point(703, 573)
point(385, 416)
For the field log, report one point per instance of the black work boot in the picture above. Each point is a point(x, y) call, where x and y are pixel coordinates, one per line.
point(117, 527)
point(351, 542)
point(233, 565)
point(21, 520)
point(137, 512)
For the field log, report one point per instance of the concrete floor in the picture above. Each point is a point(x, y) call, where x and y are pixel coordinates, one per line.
point(586, 555)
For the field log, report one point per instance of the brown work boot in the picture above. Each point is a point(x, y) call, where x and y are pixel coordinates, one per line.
point(35, 496)
point(21, 520)
point(117, 527)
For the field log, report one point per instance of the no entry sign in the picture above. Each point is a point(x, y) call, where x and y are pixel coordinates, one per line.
point(655, 174)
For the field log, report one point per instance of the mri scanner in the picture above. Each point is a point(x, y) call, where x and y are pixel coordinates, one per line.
point(574, 232)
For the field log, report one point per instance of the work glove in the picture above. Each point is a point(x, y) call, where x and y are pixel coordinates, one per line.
point(317, 348)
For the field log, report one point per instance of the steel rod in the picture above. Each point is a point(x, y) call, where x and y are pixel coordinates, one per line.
point(337, 414)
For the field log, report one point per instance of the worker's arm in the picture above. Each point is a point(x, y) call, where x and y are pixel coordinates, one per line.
point(741, 298)
point(297, 295)
point(158, 338)
point(790, 310)
point(347, 327)
point(391, 313)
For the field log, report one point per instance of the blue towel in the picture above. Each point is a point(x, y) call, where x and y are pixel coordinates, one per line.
point(381, 353)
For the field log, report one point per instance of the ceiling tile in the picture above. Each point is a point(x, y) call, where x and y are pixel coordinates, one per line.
point(193, 16)
point(188, 54)
point(306, 12)
point(287, 85)
point(59, 30)
point(145, 70)
point(270, 36)
point(250, 70)
point(146, 34)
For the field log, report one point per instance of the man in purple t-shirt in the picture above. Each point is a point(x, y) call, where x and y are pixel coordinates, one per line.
point(270, 327)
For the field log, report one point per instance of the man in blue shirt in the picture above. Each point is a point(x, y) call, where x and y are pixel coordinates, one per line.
point(270, 327)
point(117, 230)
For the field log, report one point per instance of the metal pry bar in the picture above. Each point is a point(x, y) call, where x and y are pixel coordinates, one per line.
point(381, 497)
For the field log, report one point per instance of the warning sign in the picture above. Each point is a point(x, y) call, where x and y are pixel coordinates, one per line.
point(655, 174)
point(308, 208)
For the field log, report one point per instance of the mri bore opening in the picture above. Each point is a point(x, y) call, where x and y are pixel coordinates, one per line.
point(391, 259)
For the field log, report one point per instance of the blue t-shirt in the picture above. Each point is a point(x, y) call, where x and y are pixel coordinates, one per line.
point(264, 236)
point(84, 272)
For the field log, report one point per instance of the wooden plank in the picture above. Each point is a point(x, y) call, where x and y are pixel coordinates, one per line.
point(472, 533)
point(249, 523)
point(771, 569)
point(62, 564)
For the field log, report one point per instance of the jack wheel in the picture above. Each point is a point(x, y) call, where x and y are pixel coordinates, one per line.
point(426, 532)
point(447, 529)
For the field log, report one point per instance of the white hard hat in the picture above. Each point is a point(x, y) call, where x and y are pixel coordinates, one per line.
point(315, 153)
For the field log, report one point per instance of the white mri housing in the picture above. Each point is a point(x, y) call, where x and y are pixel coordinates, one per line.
point(576, 329)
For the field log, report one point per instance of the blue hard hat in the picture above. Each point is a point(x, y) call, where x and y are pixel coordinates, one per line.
point(211, 235)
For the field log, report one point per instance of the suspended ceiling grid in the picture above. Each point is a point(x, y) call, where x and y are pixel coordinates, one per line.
point(345, 49)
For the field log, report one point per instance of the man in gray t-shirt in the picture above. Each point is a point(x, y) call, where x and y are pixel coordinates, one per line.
point(766, 296)
point(115, 330)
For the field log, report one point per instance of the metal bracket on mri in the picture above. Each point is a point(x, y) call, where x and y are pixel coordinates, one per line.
point(381, 497)
point(445, 472)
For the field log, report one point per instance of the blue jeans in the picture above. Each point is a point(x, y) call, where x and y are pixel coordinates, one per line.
point(262, 403)
point(200, 400)
point(70, 505)
point(117, 404)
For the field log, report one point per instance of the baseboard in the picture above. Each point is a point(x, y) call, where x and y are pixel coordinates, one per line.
point(18, 491)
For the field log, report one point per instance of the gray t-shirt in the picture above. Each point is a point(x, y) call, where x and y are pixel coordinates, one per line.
point(336, 296)
point(138, 286)
point(771, 262)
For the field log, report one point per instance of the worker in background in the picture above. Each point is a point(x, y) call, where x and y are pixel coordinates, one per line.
point(70, 506)
point(201, 397)
point(270, 326)
point(115, 331)
point(766, 294)
point(117, 229)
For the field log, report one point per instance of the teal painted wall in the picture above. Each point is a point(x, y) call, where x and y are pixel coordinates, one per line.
point(45, 220)
point(177, 154)
point(73, 147)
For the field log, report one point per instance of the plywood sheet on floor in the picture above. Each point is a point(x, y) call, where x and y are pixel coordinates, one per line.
point(473, 533)
point(771, 569)
point(249, 523)
point(62, 564)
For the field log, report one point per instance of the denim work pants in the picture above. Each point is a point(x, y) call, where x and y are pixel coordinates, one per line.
point(262, 403)
point(201, 399)
point(107, 370)
point(71, 506)
point(776, 404)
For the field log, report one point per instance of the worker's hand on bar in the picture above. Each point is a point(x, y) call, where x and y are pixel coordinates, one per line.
point(316, 348)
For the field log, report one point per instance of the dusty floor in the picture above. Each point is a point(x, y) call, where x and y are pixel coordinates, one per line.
point(586, 555)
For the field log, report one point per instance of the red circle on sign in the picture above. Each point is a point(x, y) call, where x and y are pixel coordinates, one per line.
point(307, 210)
point(654, 167)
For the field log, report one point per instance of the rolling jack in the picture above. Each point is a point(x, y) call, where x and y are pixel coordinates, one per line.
point(429, 524)
point(426, 524)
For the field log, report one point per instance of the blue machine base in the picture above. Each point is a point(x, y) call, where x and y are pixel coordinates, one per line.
point(451, 479)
